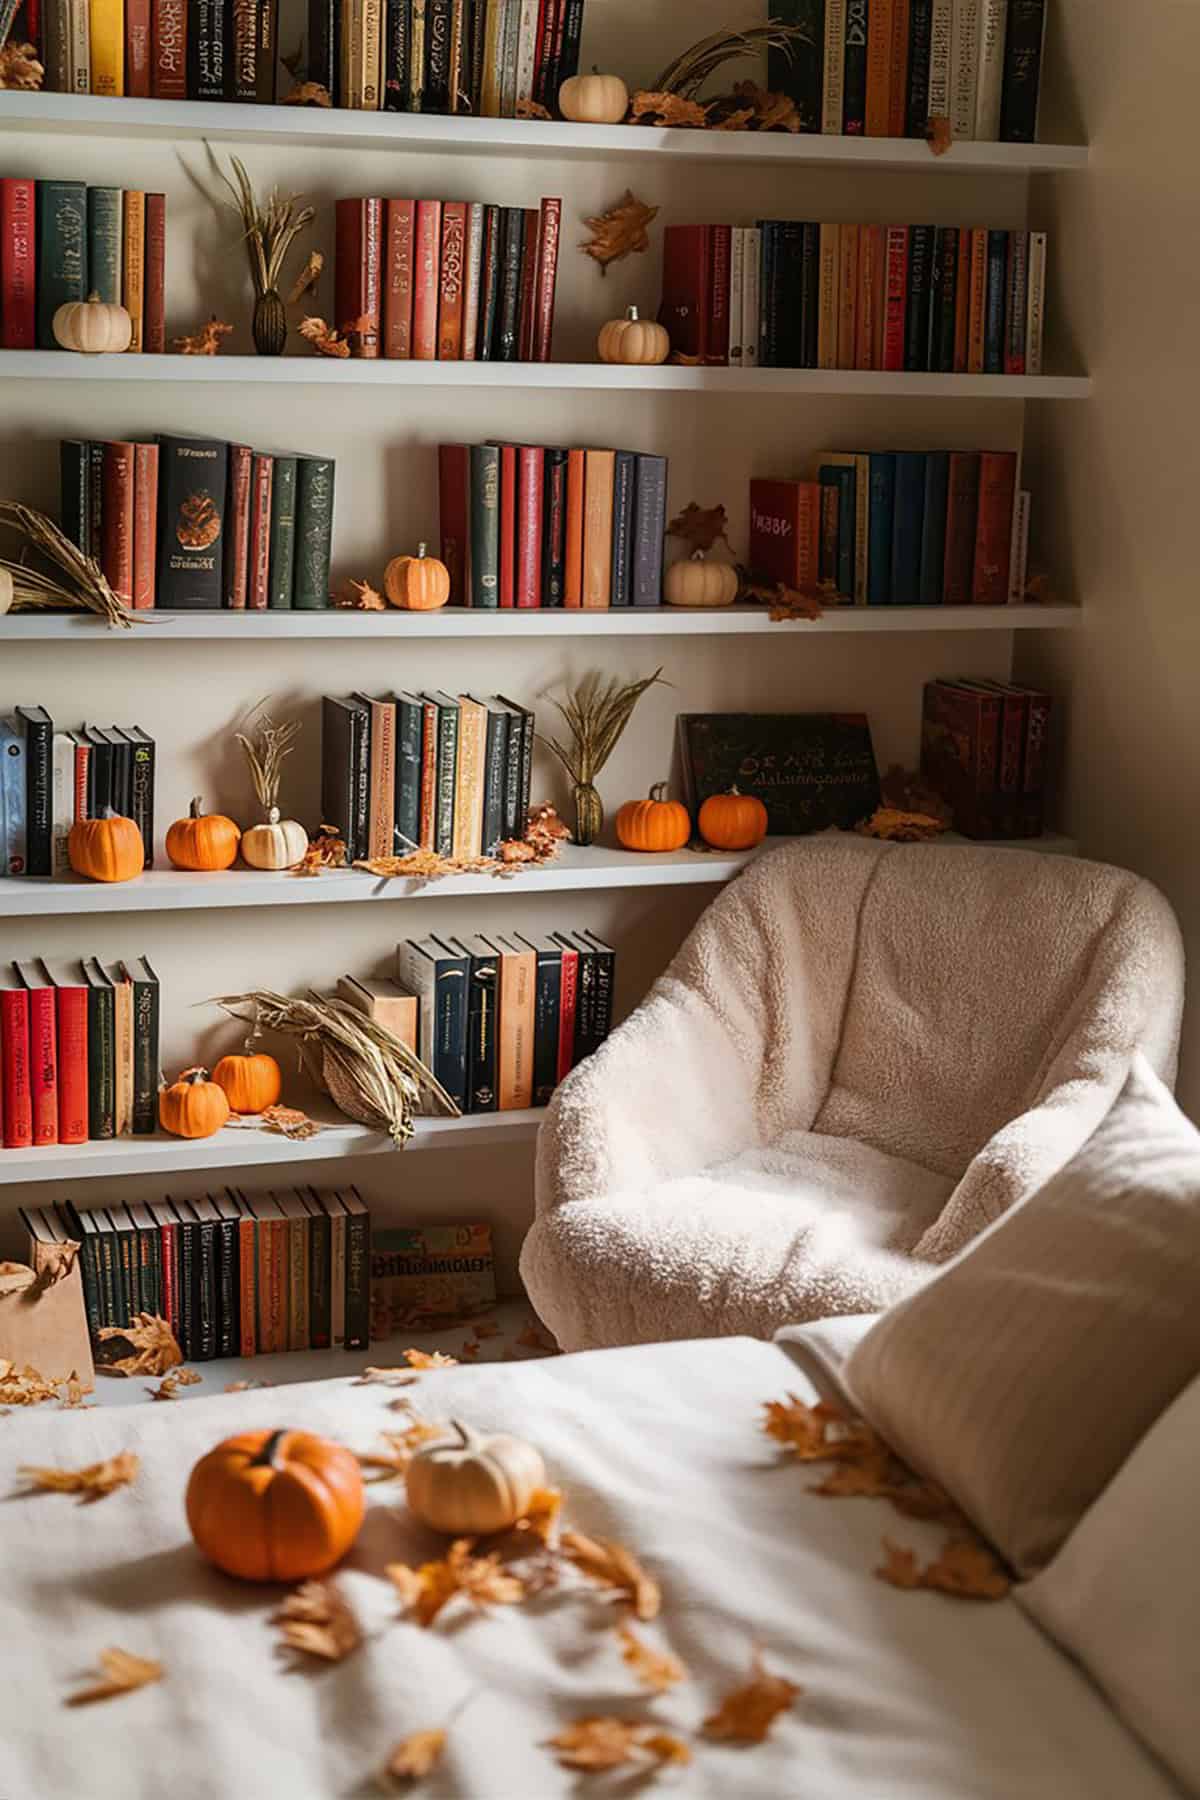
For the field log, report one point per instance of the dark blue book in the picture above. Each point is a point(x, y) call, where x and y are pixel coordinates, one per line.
point(920, 294)
point(810, 291)
point(997, 294)
point(789, 281)
point(933, 529)
point(907, 520)
point(854, 93)
point(768, 295)
point(61, 237)
point(649, 528)
point(835, 476)
point(879, 531)
point(920, 43)
point(1022, 71)
point(621, 576)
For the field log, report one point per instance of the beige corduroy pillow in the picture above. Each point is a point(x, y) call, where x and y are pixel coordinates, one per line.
point(1025, 1373)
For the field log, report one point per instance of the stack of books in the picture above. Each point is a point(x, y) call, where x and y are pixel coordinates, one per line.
point(897, 528)
point(429, 1276)
point(790, 294)
point(49, 779)
point(64, 240)
point(156, 49)
point(528, 526)
point(232, 1275)
point(194, 523)
point(78, 1051)
point(447, 280)
point(984, 750)
point(440, 772)
point(884, 68)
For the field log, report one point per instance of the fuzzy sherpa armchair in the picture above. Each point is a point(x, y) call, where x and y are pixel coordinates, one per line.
point(863, 1054)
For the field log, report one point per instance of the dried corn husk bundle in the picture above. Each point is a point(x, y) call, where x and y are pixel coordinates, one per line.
point(688, 73)
point(64, 580)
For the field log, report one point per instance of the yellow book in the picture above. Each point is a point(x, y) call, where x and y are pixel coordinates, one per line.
point(830, 276)
point(133, 262)
point(468, 779)
point(106, 29)
point(493, 73)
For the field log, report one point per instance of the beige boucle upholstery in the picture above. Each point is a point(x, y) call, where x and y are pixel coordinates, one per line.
point(863, 1054)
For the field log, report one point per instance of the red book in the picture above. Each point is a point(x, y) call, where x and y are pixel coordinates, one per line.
point(507, 588)
point(138, 49)
point(531, 459)
point(717, 322)
point(895, 297)
point(247, 1327)
point(116, 520)
point(527, 291)
point(398, 279)
point(426, 257)
point(168, 37)
point(71, 1031)
point(450, 283)
point(168, 1237)
point(898, 70)
point(154, 317)
point(543, 48)
point(687, 253)
point(573, 549)
point(785, 531)
point(14, 1063)
point(43, 1053)
point(454, 474)
point(993, 527)
point(962, 506)
point(237, 527)
point(83, 754)
point(262, 474)
point(18, 265)
point(358, 259)
point(549, 231)
point(878, 118)
point(567, 997)
point(429, 736)
point(962, 302)
point(145, 524)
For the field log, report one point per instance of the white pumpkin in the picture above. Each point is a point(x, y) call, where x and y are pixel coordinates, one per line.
point(695, 581)
point(279, 844)
point(593, 99)
point(473, 1485)
point(93, 327)
point(633, 340)
point(6, 590)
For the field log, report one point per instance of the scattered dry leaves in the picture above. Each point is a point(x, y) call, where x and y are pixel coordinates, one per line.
point(896, 826)
point(939, 134)
point(24, 1387)
point(309, 275)
point(964, 1568)
point(307, 93)
point(289, 1122)
point(650, 108)
point(400, 1446)
point(601, 1742)
point(327, 850)
point(318, 1621)
point(773, 112)
point(90, 1483)
point(206, 341)
point(323, 338)
point(152, 1347)
point(865, 1466)
point(20, 68)
point(532, 109)
point(429, 1359)
point(122, 1673)
point(611, 1565)
point(657, 1670)
point(806, 1430)
point(380, 1377)
point(358, 596)
point(168, 1388)
point(412, 1758)
point(481, 1580)
point(700, 527)
point(619, 232)
point(746, 1715)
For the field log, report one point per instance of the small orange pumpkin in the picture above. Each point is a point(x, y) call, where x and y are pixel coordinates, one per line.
point(654, 824)
point(250, 1082)
point(732, 821)
point(203, 840)
point(417, 583)
point(193, 1106)
point(109, 848)
point(275, 1505)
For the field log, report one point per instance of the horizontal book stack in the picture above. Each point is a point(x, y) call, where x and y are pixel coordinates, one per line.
point(984, 750)
point(502, 1019)
point(49, 779)
point(233, 1275)
point(885, 68)
point(62, 241)
point(78, 1051)
point(493, 58)
point(441, 772)
point(530, 526)
point(447, 280)
point(793, 294)
point(157, 49)
point(897, 528)
point(193, 524)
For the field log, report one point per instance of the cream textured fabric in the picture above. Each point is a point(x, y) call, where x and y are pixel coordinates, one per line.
point(1123, 1594)
point(1023, 1375)
point(863, 1055)
point(908, 1696)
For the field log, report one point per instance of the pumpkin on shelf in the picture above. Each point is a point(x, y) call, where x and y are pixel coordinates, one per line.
point(93, 327)
point(251, 1081)
point(6, 590)
point(732, 821)
point(417, 583)
point(654, 824)
point(203, 840)
point(474, 1485)
point(275, 1505)
point(593, 99)
point(633, 340)
point(696, 580)
point(109, 848)
point(193, 1106)
point(277, 843)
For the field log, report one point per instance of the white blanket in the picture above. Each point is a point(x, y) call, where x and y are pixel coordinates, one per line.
point(906, 1696)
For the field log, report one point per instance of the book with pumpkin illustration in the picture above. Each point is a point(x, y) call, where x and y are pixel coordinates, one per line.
point(810, 770)
point(191, 520)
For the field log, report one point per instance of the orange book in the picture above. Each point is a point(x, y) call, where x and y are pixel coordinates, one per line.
point(962, 302)
point(451, 279)
point(247, 1283)
point(867, 334)
point(848, 254)
point(600, 466)
point(879, 68)
point(426, 280)
point(898, 70)
point(977, 320)
point(381, 805)
point(829, 274)
point(573, 549)
point(145, 524)
point(517, 970)
point(133, 263)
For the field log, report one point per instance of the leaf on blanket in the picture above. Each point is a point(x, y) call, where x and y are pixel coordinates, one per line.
point(965, 1568)
point(541, 1516)
point(613, 1566)
point(532, 1337)
point(900, 1568)
point(24, 1387)
point(152, 1347)
point(401, 1377)
point(865, 1467)
point(804, 1429)
point(869, 1477)
point(318, 1621)
point(657, 1670)
point(90, 1483)
point(481, 1580)
point(606, 1743)
point(399, 1446)
point(746, 1715)
point(168, 1388)
point(413, 1757)
point(76, 1394)
point(123, 1673)
point(429, 1359)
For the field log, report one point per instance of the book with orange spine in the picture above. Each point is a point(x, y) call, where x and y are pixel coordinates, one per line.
point(133, 263)
point(400, 219)
point(515, 1060)
point(145, 525)
point(117, 515)
point(867, 323)
point(898, 70)
point(426, 259)
point(977, 318)
point(880, 22)
point(452, 274)
point(600, 469)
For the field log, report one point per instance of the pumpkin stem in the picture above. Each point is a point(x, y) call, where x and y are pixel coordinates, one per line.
point(632, 314)
point(659, 791)
point(93, 298)
point(421, 551)
point(697, 556)
point(194, 808)
point(466, 1436)
point(266, 1456)
point(273, 815)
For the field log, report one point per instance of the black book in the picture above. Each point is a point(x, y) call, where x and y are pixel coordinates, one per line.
point(145, 1045)
point(942, 325)
point(513, 756)
point(141, 784)
point(446, 770)
point(188, 1237)
point(789, 294)
point(649, 529)
point(920, 289)
point(854, 92)
point(489, 283)
point(324, 25)
point(568, 62)
point(205, 1284)
point(82, 1228)
point(483, 1014)
point(100, 772)
point(495, 770)
point(810, 770)
point(229, 1310)
point(585, 993)
point(191, 522)
point(606, 972)
point(102, 1050)
point(121, 769)
point(346, 770)
point(128, 1276)
point(107, 1260)
point(396, 48)
point(438, 976)
point(39, 793)
point(320, 1255)
point(528, 733)
point(476, 26)
point(73, 470)
point(547, 994)
point(1022, 71)
point(920, 46)
point(800, 72)
point(208, 73)
point(149, 1256)
point(810, 296)
point(314, 532)
point(769, 316)
point(358, 1269)
point(436, 98)
point(254, 38)
point(621, 574)
point(410, 722)
point(506, 347)
point(997, 294)
point(554, 527)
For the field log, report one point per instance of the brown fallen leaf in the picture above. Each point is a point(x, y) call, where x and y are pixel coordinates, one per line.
point(358, 596)
point(316, 1620)
point(736, 121)
point(19, 67)
point(611, 1565)
point(429, 1359)
point(656, 107)
point(168, 1388)
point(308, 277)
point(123, 1673)
point(964, 1568)
point(90, 1483)
point(820, 1433)
point(152, 1347)
point(532, 1337)
point(619, 232)
point(540, 1519)
point(410, 1759)
point(895, 826)
point(532, 109)
point(657, 1670)
point(386, 1377)
point(773, 112)
point(323, 338)
point(939, 134)
point(900, 1568)
point(481, 1580)
point(788, 603)
point(746, 1715)
point(601, 1742)
point(307, 93)
point(400, 1446)
point(700, 527)
point(206, 341)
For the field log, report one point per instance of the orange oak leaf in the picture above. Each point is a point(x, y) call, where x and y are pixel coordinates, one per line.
point(429, 1359)
point(91, 1483)
point(481, 1580)
point(619, 232)
point(656, 107)
point(601, 1742)
point(317, 1621)
point(657, 1670)
point(964, 1568)
point(747, 1713)
point(611, 1565)
point(122, 1673)
point(939, 134)
point(308, 93)
point(410, 1759)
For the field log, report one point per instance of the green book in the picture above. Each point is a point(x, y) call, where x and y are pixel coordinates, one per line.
point(283, 534)
point(485, 524)
point(314, 532)
point(104, 244)
point(62, 271)
point(102, 1051)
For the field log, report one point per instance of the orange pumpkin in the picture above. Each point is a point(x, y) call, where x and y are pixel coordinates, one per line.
point(732, 821)
point(250, 1082)
point(106, 849)
point(193, 1106)
point(654, 824)
point(203, 840)
point(417, 583)
point(275, 1505)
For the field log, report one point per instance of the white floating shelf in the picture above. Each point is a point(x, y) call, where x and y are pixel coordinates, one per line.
point(318, 371)
point(93, 115)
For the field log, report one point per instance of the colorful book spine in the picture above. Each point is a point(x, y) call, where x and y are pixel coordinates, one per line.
point(993, 531)
point(549, 231)
point(106, 33)
point(898, 69)
point(18, 265)
point(833, 86)
point(400, 219)
point(262, 480)
point(168, 43)
point(207, 75)
point(992, 35)
point(154, 317)
point(881, 20)
point(452, 276)
point(896, 300)
point(116, 559)
point(145, 525)
point(358, 274)
point(964, 66)
point(133, 262)
point(236, 575)
point(687, 255)
point(426, 257)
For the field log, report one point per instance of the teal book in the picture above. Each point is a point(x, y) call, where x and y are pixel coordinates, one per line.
point(485, 525)
point(833, 475)
point(879, 529)
point(62, 272)
point(314, 532)
point(283, 534)
point(104, 244)
point(907, 518)
point(933, 529)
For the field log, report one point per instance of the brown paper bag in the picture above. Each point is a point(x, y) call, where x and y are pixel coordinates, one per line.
point(43, 1323)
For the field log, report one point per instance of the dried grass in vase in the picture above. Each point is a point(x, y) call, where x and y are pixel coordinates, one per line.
point(69, 581)
point(688, 73)
point(596, 713)
point(269, 230)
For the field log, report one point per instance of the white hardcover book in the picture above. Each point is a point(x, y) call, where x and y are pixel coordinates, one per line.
point(1037, 303)
point(992, 38)
point(1019, 561)
point(751, 251)
point(80, 51)
point(527, 31)
point(471, 279)
point(737, 260)
point(62, 800)
point(940, 49)
point(833, 93)
point(964, 66)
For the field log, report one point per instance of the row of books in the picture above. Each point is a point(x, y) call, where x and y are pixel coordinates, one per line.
point(984, 751)
point(78, 1051)
point(447, 280)
point(897, 528)
point(525, 525)
point(233, 1275)
point(194, 523)
point(436, 771)
point(154, 49)
point(790, 294)
point(63, 240)
point(884, 68)
point(49, 779)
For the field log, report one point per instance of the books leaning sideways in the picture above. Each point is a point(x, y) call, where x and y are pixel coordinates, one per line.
point(49, 779)
point(985, 750)
point(430, 1275)
point(63, 240)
